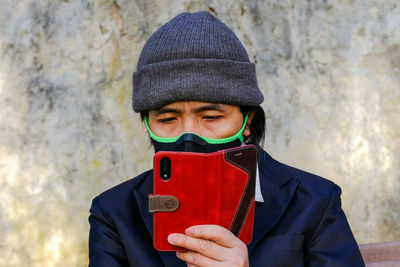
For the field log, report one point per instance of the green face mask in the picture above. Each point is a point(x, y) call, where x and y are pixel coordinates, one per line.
point(191, 142)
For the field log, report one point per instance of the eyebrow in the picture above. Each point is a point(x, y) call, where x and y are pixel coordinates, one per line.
point(164, 110)
point(216, 107)
point(167, 110)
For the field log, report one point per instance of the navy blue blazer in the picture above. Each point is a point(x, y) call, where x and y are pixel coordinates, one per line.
point(300, 223)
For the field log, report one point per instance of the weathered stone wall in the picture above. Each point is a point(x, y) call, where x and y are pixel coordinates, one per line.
point(329, 71)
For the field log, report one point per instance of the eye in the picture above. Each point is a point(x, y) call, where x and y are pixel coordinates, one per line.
point(166, 120)
point(212, 118)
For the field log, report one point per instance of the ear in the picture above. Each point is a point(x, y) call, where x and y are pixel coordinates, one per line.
point(246, 131)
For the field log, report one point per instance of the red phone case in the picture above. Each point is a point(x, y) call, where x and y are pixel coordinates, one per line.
point(213, 188)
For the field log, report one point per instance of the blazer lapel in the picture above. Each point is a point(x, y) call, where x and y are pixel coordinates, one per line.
point(141, 195)
point(277, 188)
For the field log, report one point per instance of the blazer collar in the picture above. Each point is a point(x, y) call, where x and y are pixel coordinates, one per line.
point(277, 188)
point(141, 192)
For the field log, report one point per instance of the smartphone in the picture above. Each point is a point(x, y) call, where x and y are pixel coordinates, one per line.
point(203, 188)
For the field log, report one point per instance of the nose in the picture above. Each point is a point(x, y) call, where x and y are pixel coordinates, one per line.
point(189, 125)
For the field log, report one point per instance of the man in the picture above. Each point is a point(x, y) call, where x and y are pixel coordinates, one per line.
point(196, 90)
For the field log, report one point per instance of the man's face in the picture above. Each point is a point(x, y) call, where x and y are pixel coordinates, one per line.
point(209, 120)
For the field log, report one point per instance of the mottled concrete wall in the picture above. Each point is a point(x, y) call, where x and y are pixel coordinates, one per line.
point(329, 71)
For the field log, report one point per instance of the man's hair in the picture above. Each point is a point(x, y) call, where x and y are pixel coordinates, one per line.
point(257, 126)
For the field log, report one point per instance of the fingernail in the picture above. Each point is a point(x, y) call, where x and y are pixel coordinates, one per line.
point(190, 230)
point(172, 238)
point(178, 254)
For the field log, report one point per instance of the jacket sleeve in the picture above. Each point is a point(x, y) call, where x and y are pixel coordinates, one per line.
point(105, 247)
point(332, 243)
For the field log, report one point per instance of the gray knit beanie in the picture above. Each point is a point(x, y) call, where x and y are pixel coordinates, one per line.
point(194, 57)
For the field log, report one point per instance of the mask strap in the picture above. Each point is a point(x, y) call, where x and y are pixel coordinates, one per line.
point(238, 135)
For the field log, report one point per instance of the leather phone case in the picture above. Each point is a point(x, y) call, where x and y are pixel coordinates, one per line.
point(203, 188)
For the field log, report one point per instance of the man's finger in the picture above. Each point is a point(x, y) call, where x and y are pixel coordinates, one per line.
point(196, 259)
point(205, 247)
point(216, 233)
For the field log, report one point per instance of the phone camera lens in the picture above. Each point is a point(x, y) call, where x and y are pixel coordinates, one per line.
point(165, 168)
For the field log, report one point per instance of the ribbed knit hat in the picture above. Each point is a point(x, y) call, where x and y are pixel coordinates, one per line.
point(194, 57)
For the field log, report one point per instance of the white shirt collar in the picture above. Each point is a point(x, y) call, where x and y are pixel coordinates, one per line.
point(259, 197)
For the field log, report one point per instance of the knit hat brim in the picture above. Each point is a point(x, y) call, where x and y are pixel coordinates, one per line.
point(206, 80)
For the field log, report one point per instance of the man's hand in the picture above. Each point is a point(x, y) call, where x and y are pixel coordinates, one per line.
point(210, 245)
